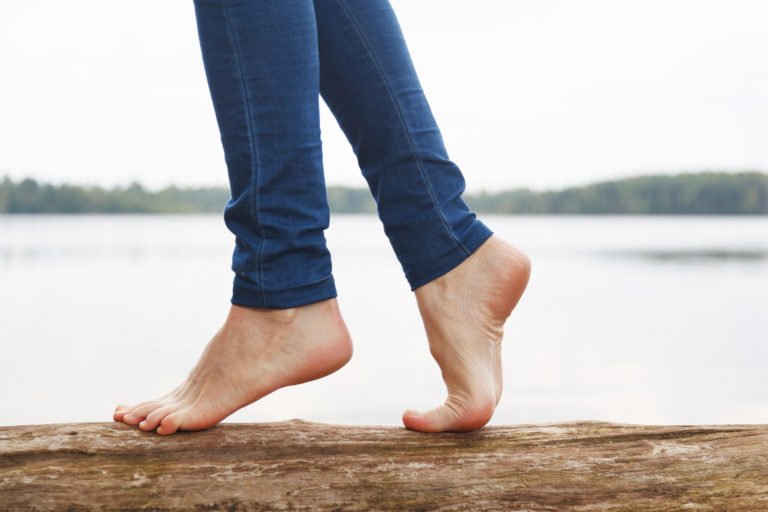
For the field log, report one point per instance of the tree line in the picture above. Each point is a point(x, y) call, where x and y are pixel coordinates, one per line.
point(713, 193)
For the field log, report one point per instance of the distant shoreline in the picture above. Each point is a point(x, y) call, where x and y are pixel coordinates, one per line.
point(704, 193)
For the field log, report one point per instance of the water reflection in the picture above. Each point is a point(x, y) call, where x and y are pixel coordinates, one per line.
point(130, 252)
point(653, 336)
point(704, 255)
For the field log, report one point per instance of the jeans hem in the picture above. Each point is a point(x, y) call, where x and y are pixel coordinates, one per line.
point(247, 294)
point(471, 242)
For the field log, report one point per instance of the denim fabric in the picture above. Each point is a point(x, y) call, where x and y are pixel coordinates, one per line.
point(267, 63)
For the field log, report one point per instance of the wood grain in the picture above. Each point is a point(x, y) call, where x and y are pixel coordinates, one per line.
point(297, 465)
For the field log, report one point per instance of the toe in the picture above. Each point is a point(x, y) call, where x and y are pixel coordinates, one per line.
point(449, 417)
point(436, 420)
point(154, 418)
point(120, 411)
point(171, 423)
point(138, 413)
point(130, 419)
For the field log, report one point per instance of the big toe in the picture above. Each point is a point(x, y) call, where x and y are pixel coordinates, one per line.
point(171, 423)
point(449, 418)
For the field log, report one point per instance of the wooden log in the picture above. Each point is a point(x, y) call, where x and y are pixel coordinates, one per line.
point(297, 465)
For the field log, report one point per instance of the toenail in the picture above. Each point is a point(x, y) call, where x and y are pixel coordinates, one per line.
point(128, 416)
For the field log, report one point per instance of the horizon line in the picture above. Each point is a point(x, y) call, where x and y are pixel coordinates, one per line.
point(469, 190)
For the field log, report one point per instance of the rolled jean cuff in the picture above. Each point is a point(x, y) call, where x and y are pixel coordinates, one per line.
point(471, 241)
point(246, 293)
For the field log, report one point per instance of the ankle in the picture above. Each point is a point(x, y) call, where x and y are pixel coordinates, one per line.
point(247, 315)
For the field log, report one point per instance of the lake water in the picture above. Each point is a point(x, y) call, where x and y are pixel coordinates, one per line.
point(629, 319)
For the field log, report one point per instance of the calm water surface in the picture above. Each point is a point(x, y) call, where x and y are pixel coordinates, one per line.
point(628, 319)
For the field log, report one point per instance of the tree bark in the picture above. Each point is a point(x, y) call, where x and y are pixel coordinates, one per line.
point(297, 465)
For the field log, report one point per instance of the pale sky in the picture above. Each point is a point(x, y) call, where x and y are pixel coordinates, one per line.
point(537, 93)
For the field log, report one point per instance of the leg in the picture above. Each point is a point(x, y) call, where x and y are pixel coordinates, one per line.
point(284, 328)
point(466, 281)
point(261, 60)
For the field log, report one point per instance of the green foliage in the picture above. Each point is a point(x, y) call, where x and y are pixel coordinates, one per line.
point(700, 193)
point(705, 193)
point(351, 200)
point(29, 196)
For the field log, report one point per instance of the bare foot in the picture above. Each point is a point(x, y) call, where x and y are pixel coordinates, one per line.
point(256, 352)
point(464, 313)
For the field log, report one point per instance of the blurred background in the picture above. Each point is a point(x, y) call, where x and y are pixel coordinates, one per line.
point(621, 144)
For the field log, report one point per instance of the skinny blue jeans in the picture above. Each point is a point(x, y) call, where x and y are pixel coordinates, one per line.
point(267, 63)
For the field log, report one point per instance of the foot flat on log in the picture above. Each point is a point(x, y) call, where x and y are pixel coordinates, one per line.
point(296, 465)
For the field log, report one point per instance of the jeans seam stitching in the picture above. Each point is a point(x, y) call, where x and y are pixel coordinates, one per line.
point(254, 154)
point(405, 128)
